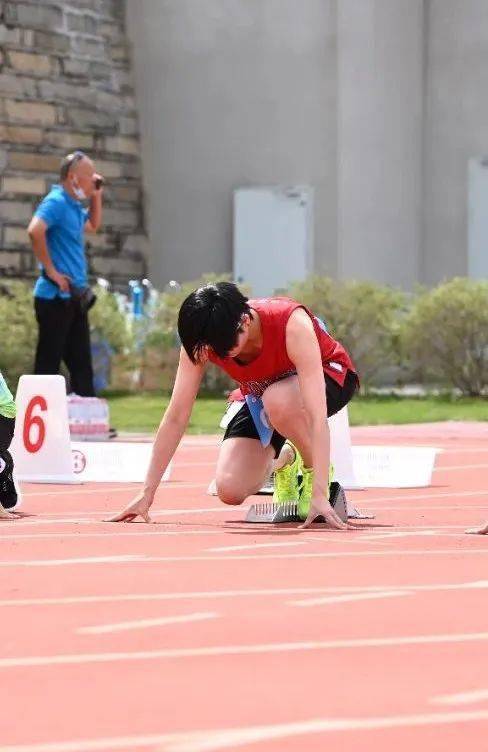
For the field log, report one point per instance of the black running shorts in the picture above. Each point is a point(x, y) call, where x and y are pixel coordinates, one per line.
point(242, 425)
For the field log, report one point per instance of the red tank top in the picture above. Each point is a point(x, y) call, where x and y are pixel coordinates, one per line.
point(273, 363)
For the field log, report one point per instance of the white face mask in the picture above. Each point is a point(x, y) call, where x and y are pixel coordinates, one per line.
point(79, 192)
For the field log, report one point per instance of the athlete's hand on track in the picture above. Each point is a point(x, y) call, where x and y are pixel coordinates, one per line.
point(139, 507)
point(483, 530)
point(322, 508)
point(6, 515)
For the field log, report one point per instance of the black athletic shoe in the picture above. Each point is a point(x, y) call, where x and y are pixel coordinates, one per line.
point(8, 490)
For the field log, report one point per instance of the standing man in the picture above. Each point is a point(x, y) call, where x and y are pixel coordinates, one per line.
point(62, 296)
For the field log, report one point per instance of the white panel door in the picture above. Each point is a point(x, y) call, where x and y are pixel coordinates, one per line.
point(478, 218)
point(273, 237)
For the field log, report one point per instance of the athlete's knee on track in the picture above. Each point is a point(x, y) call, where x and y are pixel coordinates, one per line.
point(228, 490)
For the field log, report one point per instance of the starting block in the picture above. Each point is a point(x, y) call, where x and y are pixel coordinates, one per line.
point(271, 512)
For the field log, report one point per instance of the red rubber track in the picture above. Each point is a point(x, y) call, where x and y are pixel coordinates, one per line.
point(203, 633)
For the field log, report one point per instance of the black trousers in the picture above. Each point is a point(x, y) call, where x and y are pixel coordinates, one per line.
point(64, 334)
point(7, 426)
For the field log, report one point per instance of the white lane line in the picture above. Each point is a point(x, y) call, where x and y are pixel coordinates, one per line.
point(80, 491)
point(251, 546)
point(212, 594)
point(65, 520)
point(232, 738)
point(466, 450)
point(64, 659)
point(145, 533)
point(27, 522)
point(404, 589)
point(460, 467)
point(350, 598)
point(439, 508)
point(361, 499)
point(462, 698)
point(204, 530)
point(126, 559)
point(217, 739)
point(394, 534)
point(142, 530)
point(125, 626)
point(142, 559)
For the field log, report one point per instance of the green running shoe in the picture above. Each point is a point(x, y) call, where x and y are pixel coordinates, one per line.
point(306, 490)
point(287, 480)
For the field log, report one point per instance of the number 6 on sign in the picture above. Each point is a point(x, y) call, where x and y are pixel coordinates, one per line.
point(36, 421)
point(41, 445)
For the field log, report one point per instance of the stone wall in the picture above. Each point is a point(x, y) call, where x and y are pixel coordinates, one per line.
point(66, 84)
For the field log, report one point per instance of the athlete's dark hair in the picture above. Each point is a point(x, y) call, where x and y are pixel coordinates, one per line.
point(210, 317)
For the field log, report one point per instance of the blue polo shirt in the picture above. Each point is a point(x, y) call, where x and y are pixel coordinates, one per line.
point(65, 218)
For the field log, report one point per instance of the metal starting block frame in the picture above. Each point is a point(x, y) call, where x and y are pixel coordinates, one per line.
point(272, 512)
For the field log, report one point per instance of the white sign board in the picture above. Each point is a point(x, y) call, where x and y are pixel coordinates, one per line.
point(393, 466)
point(41, 444)
point(341, 450)
point(112, 461)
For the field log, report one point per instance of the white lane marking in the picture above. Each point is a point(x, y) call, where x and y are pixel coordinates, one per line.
point(462, 698)
point(460, 467)
point(204, 530)
point(80, 491)
point(405, 534)
point(407, 508)
point(125, 626)
point(466, 450)
point(211, 594)
point(361, 498)
point(221, 739)
point(146, 532)
point(217, 739)
point(64, 659)
point(65, 520)
point(142, 559)
point(126, 559)
point(250, 546)
point(27, 522)
point(349, 598)
point(404, 589)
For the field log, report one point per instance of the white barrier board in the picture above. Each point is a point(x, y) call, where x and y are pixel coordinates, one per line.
point(112, 461)
point(41, 444)
point(341, 450)
point(393, 466)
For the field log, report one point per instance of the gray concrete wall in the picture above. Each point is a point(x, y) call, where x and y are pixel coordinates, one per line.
point(230, 93)
point(378, 104)
point(456, 127)
point(380, 59)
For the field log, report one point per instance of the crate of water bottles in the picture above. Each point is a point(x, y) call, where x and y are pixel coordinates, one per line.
point(88, 418)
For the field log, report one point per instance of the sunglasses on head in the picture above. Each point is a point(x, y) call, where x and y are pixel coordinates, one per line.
point(69, 161)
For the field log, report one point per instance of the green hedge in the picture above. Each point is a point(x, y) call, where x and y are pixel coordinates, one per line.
point(445, 335)
point(364, 316)
point(438, 337)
